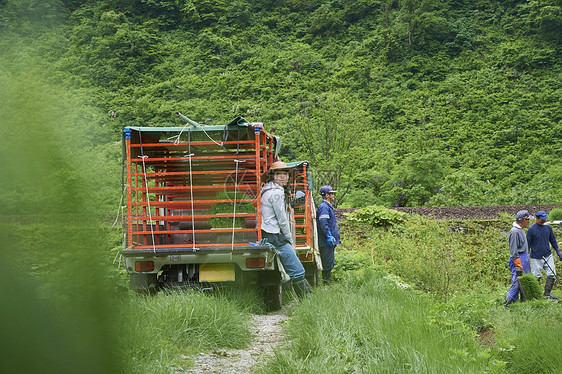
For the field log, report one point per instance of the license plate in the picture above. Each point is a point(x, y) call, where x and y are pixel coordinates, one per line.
point(216, 272)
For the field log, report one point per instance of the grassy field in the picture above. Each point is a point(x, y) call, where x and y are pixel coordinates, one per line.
point(414, 296)
point(423, 296)
point(371, 323)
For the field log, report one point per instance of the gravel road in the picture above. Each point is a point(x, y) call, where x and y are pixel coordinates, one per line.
point(268, 333)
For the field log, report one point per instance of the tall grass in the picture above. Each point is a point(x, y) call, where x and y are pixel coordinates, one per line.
point(159, 333)
point(529, 337)
point(369, 324)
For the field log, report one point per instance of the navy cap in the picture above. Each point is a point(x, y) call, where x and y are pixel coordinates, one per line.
point(326, 189)
point(542, 215)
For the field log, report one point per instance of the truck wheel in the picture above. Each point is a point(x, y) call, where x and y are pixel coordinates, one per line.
point(273, 296)
point(313, 276)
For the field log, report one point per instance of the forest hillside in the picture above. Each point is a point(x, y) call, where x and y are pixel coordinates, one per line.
point(394, 102)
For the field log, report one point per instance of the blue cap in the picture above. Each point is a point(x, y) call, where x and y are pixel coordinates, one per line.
point(326, 189)
point(542, 215)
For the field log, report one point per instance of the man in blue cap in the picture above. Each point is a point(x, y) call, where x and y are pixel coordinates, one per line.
point(540, 237)
point(328, 232)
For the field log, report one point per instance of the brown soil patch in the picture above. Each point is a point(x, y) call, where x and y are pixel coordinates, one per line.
point(465, 212)
point(487, 337)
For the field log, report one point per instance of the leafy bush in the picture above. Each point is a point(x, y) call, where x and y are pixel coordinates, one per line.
point(470, 309)
point(376, 216)
point(350, 261)
point(555, 214)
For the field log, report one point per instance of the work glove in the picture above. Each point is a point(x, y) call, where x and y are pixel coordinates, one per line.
point(330, 239)
point(517, 263)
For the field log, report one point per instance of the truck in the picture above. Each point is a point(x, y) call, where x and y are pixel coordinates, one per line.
point(194, 209)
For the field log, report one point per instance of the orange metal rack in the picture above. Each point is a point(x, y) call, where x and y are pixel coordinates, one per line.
point(173, 185)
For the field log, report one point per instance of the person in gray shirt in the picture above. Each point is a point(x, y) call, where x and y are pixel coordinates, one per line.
point(275, 226)
point(519, 259)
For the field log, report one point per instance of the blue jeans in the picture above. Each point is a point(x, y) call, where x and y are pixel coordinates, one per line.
point(289, 259)
point(327, 256)
point(513, 292)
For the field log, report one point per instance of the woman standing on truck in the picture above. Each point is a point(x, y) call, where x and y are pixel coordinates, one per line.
point(275, 227)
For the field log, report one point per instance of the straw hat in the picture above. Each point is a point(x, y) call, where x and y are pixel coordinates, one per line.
point(277, 166)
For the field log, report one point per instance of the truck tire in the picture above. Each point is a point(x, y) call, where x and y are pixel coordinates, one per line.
point(312, 275)
point(273, 296)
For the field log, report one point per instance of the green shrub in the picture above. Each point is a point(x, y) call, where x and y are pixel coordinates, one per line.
point(349, 261)
point(376, 216)
point(555, 214)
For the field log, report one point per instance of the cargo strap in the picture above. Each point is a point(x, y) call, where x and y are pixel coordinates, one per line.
point(189, 154)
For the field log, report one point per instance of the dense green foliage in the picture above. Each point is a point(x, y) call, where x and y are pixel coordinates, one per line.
point(394, 102)
point(376, 216)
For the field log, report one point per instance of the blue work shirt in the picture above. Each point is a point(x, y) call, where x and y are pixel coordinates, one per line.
point(326, 220)
point(539, 238)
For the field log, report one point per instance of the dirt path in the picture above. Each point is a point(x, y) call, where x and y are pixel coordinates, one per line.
point(267, 330)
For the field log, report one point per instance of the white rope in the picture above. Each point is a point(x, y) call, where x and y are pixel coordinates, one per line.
point(192, 211)
point(177, 137)
point(235, 190)
point(213, 140)
point(143, 157)
point(119, 209)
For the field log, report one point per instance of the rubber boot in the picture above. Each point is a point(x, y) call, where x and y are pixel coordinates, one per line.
point(548, 284)
point(327, 277)
point(302, 288)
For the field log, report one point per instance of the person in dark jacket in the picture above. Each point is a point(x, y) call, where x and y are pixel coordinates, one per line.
point(519, 259)
point(328, 232)
point(540, 237)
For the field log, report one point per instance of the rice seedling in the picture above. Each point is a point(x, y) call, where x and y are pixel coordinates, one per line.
point(531, 287)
